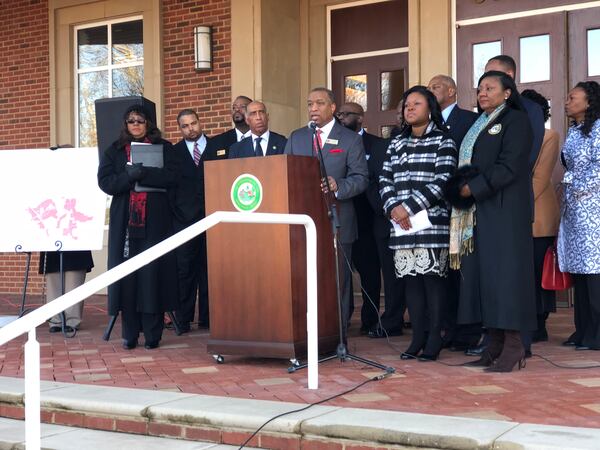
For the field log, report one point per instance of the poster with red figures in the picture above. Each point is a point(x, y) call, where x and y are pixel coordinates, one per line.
point(50, 200)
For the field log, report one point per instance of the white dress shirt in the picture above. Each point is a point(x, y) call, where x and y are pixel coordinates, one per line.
point(201, 145)
point(263, 141)
point(241, 135)
point(447, 111)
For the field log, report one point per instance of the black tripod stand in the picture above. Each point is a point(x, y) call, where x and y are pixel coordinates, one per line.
point(341, 351)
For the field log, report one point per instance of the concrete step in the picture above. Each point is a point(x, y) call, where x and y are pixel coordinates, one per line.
point(12, 436)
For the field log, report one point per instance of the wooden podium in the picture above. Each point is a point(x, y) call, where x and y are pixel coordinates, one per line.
point(257, 273)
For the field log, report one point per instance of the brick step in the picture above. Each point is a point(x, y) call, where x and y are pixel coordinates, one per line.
point(59, 437)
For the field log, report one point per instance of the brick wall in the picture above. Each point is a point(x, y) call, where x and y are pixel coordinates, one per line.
point(24, 103)
point(209, 93)
point(24, 85)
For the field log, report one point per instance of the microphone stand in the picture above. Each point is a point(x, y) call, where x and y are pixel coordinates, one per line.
point(341, 352)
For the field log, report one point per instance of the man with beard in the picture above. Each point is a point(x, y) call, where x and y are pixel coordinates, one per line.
point(187, 201)
point(370, 252)
point(262, 141)
point(344, 159)
point(241, 129)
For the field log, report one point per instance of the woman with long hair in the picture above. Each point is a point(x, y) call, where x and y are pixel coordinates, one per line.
point(490, 226)
point(418, 163)
point(579, 233)
point(139, 218)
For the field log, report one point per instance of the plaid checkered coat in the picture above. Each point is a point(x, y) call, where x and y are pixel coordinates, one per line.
point(414, 174)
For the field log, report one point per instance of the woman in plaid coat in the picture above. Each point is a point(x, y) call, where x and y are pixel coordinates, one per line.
point(418, 163)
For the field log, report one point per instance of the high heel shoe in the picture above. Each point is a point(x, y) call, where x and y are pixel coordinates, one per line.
point(486, 360)
point(513, 354)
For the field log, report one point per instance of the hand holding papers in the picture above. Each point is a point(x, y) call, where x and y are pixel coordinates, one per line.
point(418, 222)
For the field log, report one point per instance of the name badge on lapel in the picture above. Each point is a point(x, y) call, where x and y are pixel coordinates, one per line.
point(221, 152)
point(331, 141)
point(495, 129)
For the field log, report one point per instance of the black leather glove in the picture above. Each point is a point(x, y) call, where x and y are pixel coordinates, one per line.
point(135, 172)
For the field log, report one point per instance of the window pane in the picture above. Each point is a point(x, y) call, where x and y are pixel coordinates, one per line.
point(127, 42)
point(92, 47)
point(92, 86)
point(535, 58)
point(593, 48)
point(128, 81)
point(481, 54)
point(392, 88)
point(355, 90)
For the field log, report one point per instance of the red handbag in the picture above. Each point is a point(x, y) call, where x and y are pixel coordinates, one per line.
point(552, 278)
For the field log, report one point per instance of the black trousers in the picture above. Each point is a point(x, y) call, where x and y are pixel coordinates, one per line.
point(347, 306)
point(192, 274)
point(134, 322)
point(425, 298)
point(587, 310)
point(366, 261)
point(392, 318)
point(455, 334)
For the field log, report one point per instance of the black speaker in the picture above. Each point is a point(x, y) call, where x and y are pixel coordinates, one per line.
point(109, 117)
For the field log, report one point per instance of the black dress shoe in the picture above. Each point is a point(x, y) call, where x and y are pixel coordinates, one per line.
point(184, 328)
point(55, 329)
point(408, 355)
point(476, 351)
point(151, 345)
point(570, 343)
point(458, 347)
point(379, 333)
point(582, 347)
point(129, 345)
point(427, 358)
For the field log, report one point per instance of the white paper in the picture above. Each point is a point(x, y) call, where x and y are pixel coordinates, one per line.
point(420, 221)
point(51, 198)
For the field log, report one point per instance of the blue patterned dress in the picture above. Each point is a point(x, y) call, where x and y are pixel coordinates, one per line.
point(579, 233)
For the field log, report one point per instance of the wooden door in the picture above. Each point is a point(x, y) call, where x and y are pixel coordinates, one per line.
point(584, 46)
point(376, 83)
point(539, 46)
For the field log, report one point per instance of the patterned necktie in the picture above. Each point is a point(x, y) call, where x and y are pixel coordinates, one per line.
point(197, 154)
point(318, 133)
point(257, 148)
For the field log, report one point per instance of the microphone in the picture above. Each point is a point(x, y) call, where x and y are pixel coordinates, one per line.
point(312, 125)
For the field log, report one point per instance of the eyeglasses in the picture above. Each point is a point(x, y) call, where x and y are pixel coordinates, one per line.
point(344, 114)
point(135, 121)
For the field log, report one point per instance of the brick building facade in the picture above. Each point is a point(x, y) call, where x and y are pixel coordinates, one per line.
point(25, 86)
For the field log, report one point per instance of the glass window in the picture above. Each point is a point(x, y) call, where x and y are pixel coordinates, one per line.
point(535, 58)
point(102, 73)
point(481, 55)
point(355, 90)
point(392, 88)
point(593, 48)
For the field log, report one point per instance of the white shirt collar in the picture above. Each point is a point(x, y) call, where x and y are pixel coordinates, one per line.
point(201, 144)
point(326, 129)
point(447, 111)
point(263, 141)
point(241, 135)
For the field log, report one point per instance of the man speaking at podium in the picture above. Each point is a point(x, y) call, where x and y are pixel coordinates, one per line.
point(348, 175)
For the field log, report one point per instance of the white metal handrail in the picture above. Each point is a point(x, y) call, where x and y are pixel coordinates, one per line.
point(29, 322)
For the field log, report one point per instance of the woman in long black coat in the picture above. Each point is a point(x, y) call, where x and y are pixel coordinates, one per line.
point(139, 220)
point(490, 240)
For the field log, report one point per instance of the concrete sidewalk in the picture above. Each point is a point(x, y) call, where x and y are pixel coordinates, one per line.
point(232, 420)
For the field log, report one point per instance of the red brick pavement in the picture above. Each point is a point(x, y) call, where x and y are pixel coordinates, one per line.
point(541, 393)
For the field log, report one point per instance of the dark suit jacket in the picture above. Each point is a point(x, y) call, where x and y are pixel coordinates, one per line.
point(225, 140)
point(381, 224)
point(245, 148)
point(344, 161)
point(458, 123)
point(364, 211)
point(536, 120)
point(187, 198)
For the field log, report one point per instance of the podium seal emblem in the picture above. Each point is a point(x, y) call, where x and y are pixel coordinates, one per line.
point(246, 193)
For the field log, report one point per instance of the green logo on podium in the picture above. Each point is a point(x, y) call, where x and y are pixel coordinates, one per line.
point(246, 193)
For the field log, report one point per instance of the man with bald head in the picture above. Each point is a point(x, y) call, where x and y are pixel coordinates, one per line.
point(262, 141)
point(225, 140)
point(457, 120)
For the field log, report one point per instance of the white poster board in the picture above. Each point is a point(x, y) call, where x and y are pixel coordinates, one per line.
point(49, 198)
